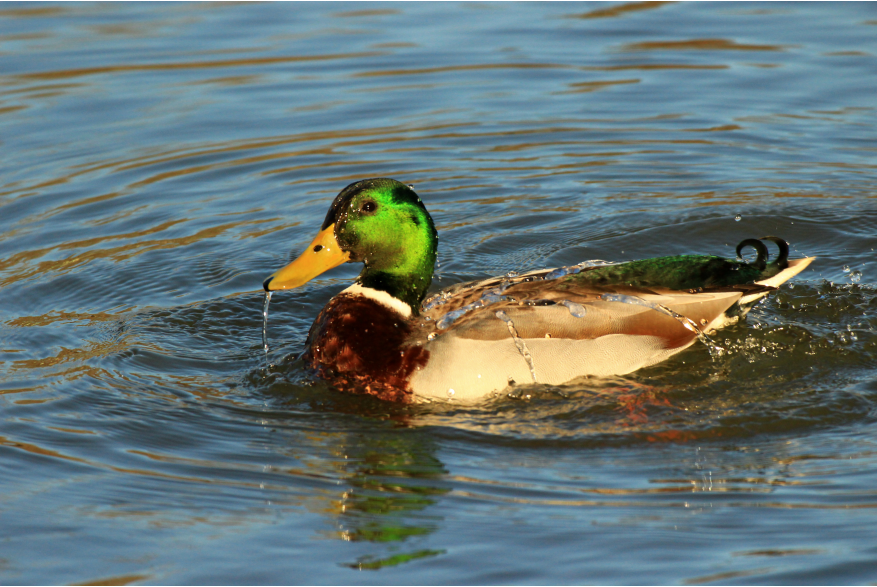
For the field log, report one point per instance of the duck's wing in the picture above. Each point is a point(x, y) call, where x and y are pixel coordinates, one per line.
point(561, 286)
point(481, 335)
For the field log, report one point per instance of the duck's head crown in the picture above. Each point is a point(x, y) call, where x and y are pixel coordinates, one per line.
point(391, 191)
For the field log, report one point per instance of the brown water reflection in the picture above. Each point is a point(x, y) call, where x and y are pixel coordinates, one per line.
point(700, 45)
point(620, 9)
point(195, 65)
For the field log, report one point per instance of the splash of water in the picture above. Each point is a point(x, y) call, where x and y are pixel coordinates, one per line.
point(439, 299)
point(557, 273)
point(519, 342)
point(491, 296)
point(714, 349)
point(573, 269)
point(510, 279)
point(495, 294)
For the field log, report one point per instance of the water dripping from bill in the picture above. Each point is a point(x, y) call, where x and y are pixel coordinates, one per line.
point(265, 323)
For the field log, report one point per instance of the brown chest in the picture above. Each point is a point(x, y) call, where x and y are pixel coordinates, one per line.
point(362, 346)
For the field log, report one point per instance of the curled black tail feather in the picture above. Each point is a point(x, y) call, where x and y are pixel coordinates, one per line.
point(782, 260)
point(761, 262)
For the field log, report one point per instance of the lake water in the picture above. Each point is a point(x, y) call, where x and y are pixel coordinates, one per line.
point(160, 160)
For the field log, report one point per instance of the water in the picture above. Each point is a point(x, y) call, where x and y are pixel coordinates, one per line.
point(159, 161)
point(265, 321)
point(688, 323)
point(519, 343)
point(575, 309)
point(638, 301)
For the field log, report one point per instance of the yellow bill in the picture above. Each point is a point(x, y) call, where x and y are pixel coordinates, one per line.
point(322, 254)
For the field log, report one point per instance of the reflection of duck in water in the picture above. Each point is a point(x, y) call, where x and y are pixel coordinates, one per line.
point(380, 337)
point(392, 482)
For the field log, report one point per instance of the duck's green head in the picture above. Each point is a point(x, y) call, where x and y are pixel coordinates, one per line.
point(381, 223)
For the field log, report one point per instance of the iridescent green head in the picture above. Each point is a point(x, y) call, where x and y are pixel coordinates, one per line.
point(381, 223)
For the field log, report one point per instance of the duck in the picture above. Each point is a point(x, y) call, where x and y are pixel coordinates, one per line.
point(385, 336)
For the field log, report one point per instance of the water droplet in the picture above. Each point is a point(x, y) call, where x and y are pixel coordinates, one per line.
point(450, 393)
point(738, 218)
point(577, 310)
point(431, 336)
point(557, 273)
point(438, 299)
point(856, 276)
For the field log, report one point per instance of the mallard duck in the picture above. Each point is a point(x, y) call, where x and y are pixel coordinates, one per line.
point(382, 336)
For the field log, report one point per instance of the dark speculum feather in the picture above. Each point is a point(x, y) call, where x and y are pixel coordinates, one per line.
point(761, 261)
point(782, 260)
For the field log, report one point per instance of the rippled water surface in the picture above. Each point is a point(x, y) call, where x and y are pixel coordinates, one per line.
point(160, 160)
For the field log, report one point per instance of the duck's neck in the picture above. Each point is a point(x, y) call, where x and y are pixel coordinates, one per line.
point(403, 266)
point(407, 288)
point(404, 270)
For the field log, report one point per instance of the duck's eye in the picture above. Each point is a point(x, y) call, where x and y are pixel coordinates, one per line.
point(368, 207)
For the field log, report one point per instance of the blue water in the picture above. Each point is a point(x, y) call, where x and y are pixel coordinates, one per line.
point(160, 160)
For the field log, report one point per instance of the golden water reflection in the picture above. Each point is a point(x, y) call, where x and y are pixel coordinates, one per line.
point(619, 10)
point(700, 45)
